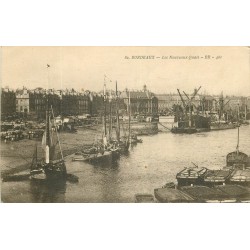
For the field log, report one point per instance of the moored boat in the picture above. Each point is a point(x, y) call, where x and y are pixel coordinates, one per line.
point(222, 126)
point(238, 159)
point(50, 167)
point(207, 194)
point(171, 195)
point(217, 177)
point(191, 176)
point(241, 177)
point(94, 158)
point(237, 192)
point(182, 130)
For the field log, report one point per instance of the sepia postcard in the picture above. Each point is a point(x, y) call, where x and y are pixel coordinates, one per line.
point(125, 124)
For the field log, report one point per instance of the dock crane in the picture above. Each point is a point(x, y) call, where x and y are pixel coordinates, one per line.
point(190, 104)
point(183, 103)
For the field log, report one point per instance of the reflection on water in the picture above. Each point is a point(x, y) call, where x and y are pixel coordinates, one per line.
point(45, 191)
point(147, 166)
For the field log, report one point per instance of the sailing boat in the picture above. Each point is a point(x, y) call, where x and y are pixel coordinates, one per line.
point(122, 142)
point(49, 168)
point(36, 169)
point(132, 138)
point(101, 150)
point(112, 144)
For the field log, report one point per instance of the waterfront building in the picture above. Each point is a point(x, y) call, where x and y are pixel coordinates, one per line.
point(141, 102)
point(38, 102)
point(75, 103)
point(22, 102)
point(166, 102)
point(8, 102)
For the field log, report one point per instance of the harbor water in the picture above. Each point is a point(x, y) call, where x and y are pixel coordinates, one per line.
point(147, 166)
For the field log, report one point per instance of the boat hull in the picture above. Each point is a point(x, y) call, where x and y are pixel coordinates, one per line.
point(238, 160)
point(191, 176)
point(240, 177)
point(183, 130)
point(95, 158)
point(56, 171)
point(217, 177)
point(170, 195)
point(188, 181)
point(222, 126)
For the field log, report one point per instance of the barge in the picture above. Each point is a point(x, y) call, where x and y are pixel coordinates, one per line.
point(191, 176)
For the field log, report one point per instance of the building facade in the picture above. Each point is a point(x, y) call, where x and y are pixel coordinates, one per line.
point(141, 102)
point(8, 102)
point(22, 102)
point(166, 102)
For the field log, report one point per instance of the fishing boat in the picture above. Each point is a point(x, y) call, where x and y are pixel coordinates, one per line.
point(113, 145)
point(103, 150)
point(123, 142)
point(191, 176)
point(94, 158)
point(37, 170)
point(50, 167)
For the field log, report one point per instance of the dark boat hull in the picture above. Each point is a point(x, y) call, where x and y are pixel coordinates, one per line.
point(184, 130)
point(238, 160)
point(56, 171)
point(191, 176)
point(190, 181)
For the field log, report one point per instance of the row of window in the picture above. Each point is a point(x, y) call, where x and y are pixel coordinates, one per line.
point(23, 108)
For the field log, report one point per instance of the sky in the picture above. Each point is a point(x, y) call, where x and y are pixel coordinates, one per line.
point(186, 68)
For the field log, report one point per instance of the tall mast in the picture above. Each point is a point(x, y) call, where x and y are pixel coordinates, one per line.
point(129, 118)
point(117, 115)
point(47, 132)
point(110, 116)
point(57, 133)
point(47, 144)
point(105, 126)
point(238, 127)
point(104, 100)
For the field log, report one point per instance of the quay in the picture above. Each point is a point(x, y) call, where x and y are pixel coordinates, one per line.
point(17, 156)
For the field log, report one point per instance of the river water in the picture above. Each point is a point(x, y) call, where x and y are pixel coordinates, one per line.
point(148, 165)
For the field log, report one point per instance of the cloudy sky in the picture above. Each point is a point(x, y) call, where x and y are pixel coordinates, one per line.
point(227, 70)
